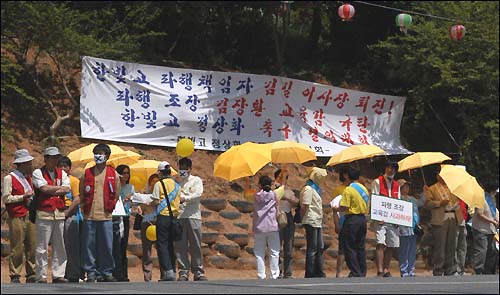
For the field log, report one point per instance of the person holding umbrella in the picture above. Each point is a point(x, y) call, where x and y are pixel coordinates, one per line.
point(445, 216)
point(354, 204)
point(311, 211)
point(484, 227)
point(265, 229)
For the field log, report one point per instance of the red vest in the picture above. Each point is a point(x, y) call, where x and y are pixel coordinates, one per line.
point(49, 203)
point(464, 208)
point(384, 191)
point(108, 194)
point(18, 209)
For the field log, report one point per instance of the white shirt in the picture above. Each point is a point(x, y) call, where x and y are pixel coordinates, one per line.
point(191, 190)
point(7, 196)
point(39, 181)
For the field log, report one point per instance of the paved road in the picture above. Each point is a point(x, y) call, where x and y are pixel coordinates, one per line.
point(417, 285)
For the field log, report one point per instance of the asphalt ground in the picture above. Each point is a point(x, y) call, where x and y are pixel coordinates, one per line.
point(485, 284)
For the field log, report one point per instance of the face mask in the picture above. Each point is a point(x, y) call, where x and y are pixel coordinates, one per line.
point(99, 159)
point(184, 173)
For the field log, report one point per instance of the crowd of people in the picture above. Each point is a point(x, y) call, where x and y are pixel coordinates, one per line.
point(49, 206)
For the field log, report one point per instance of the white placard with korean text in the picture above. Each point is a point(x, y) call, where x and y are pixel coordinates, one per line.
point(391, 210)
point(146, 104)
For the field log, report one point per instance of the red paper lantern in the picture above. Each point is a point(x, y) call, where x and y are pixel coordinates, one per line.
point(457, 32)
point(346, 12)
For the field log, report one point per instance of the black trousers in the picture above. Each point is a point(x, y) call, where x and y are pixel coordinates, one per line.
point(120, 245)
point(165, 243)
point(352, 237)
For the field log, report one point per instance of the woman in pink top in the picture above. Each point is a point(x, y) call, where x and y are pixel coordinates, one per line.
point(265, 229)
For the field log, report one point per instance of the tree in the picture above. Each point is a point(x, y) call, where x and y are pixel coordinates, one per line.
point(451, 86)
point(43, 42)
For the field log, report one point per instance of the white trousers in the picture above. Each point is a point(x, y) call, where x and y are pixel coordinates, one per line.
point(271, 240)
point(50, 231)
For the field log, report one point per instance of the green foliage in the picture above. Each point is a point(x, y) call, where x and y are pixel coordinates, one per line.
point(459, 79)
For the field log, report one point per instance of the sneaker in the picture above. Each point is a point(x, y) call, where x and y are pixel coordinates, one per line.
point(109, 279)
point(59, 280)
point(183, 278)
point(15, 280)
point(201, 278)
point(42, 281)
point(387, 275)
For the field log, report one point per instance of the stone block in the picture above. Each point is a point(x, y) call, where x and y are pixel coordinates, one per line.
point(247, 263)
point(205, 250)
point(249, 250)
point(241, 225)
point(242, 206)
point(332, 253)
point(209, 237)
point(230, 250)
point(230, 214)
point(214, 204)
point(205, 213)
point(241, 239)
point(213, 224)
point(219, 261)
point(135, 249)
point(133, 260)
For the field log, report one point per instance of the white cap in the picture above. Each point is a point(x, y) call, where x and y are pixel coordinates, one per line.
point(22, 156)
point(163, 165)
point(51, 151)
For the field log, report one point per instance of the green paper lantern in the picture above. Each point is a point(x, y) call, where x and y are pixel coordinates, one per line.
point(403, 21)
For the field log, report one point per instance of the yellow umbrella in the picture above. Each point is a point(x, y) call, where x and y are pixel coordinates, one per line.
point(129, 157)
point(242, 160)
point(285, 151)
point(421, 159)
point(463, 185)
point(140, 172)
point(84, 154)
point(353, 153)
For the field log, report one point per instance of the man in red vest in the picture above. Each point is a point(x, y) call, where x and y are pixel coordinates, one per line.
point(16, 194)
point(99, 190)
point(52, 185)
point(387, 235)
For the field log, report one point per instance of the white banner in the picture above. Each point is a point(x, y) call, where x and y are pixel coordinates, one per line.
point(155, 105)
point(390, 210)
